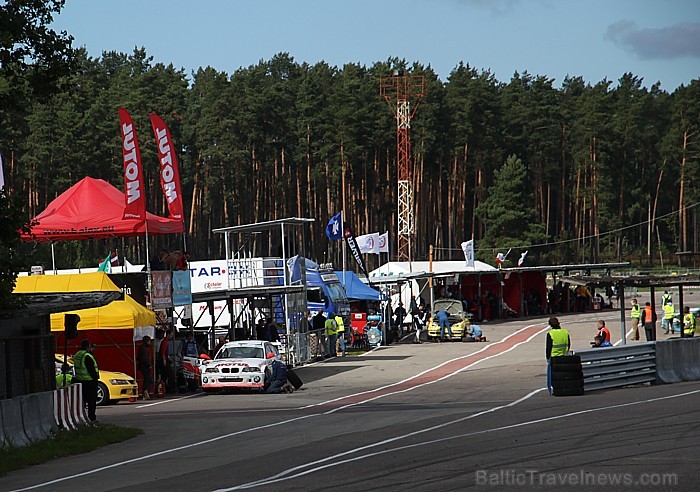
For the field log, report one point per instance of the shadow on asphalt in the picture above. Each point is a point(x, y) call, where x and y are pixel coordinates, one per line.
point(310, 374)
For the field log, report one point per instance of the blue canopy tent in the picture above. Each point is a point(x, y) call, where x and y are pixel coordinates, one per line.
point(356, 289)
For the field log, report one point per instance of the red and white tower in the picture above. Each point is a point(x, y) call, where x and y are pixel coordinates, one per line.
point(403, 93)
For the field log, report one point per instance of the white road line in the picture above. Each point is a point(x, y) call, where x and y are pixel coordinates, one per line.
point(620, 340)
point(243, 431)
point(285, 475)
point(279, 476)
point(168, 401)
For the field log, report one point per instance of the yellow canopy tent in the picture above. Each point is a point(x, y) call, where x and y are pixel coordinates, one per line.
point(116, 315)
point(117, 324)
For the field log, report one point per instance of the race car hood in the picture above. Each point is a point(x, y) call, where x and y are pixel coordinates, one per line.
point(233, 363)
point(116, 375)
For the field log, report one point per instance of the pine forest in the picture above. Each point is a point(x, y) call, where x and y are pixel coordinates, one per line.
point(572, 170)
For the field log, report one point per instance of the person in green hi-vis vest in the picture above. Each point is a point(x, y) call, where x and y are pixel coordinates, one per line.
point(558, 343)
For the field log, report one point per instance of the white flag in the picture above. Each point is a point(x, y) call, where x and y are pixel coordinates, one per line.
point(522, 259)
point(369, 243)
point(468, 248)
point(384, 242)
point(2, 175)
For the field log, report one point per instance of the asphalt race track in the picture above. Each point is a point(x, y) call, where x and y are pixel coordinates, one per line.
point(450, 416)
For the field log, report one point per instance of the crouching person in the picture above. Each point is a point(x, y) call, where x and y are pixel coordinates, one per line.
point(277, 382)
point(475, 334)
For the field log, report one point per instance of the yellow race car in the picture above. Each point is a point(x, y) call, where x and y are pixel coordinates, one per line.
point(111, 387)
point(459, 321)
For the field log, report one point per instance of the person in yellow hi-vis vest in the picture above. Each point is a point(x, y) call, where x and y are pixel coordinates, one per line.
point(64, 378)
point(635, 315)
point(669, 313)
point(330, 329)
point(689, 322)
point(340, 332)
point(558, 343)
point(87, 374)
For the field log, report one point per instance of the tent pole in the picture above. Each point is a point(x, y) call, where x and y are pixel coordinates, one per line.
point(53, 258)
point(149, 303)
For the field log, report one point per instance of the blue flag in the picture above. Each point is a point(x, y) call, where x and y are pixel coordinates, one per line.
point(334, 229)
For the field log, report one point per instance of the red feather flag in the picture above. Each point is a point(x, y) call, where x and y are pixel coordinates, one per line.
point(169, 173)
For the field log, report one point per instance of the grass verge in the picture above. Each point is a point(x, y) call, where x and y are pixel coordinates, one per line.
point(63, 443)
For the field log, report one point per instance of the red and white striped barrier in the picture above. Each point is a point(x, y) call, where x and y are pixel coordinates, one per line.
point(69, 408)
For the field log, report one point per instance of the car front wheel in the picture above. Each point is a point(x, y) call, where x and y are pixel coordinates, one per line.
point(102, 394)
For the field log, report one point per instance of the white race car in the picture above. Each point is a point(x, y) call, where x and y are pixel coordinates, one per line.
point(240, 364)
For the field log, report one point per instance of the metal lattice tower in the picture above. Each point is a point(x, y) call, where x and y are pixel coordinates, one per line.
point(400, 91)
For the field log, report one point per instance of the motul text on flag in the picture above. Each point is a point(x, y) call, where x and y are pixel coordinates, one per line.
point(134, 190)
point(169, 172)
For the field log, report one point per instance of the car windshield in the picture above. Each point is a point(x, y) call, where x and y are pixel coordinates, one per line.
point(240, 353)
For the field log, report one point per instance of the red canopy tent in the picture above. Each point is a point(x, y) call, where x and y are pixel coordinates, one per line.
point(93, 209)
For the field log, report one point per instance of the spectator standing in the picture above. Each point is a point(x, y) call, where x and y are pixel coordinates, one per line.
point(669, 314)
point(143, 363)
point(340, 333)
point(273, 334)
point(635, 315)
point(318, 324)
point(666, 298)
point(189, 348)
point(87, 374)
point(399, 316)
point(167, 362)
point(220, 343)
point(649, 322)
point(261, 330)
point(558, 343)
point(330, 331)
point(421, 320)
point(183, 262)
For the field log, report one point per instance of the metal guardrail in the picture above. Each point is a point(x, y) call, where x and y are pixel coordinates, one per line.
point(615, 367)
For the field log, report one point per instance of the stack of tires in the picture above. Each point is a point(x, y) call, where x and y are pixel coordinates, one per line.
point(567, 376)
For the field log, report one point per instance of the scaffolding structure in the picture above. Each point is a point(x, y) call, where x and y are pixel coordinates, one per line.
point(403, 93)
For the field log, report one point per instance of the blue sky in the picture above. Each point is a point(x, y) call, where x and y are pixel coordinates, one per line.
point(596, 39)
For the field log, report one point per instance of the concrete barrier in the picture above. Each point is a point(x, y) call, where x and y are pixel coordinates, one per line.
point(2, 433)
point(12, 422)
point(37, 415)
point(678, 359)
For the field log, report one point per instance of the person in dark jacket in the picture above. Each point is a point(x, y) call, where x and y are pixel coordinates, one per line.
point(649, 322)
point(143, 363)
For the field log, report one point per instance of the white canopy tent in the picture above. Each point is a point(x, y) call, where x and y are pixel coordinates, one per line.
point(407, 276)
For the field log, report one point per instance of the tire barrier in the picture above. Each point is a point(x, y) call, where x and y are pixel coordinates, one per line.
point(678, 360)
point(69, 408)
point(12, 422)
point(37, 415)
point(616, 367)
point(567, 376)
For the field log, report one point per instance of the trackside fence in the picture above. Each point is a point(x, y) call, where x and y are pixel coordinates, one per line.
point(615, 367)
